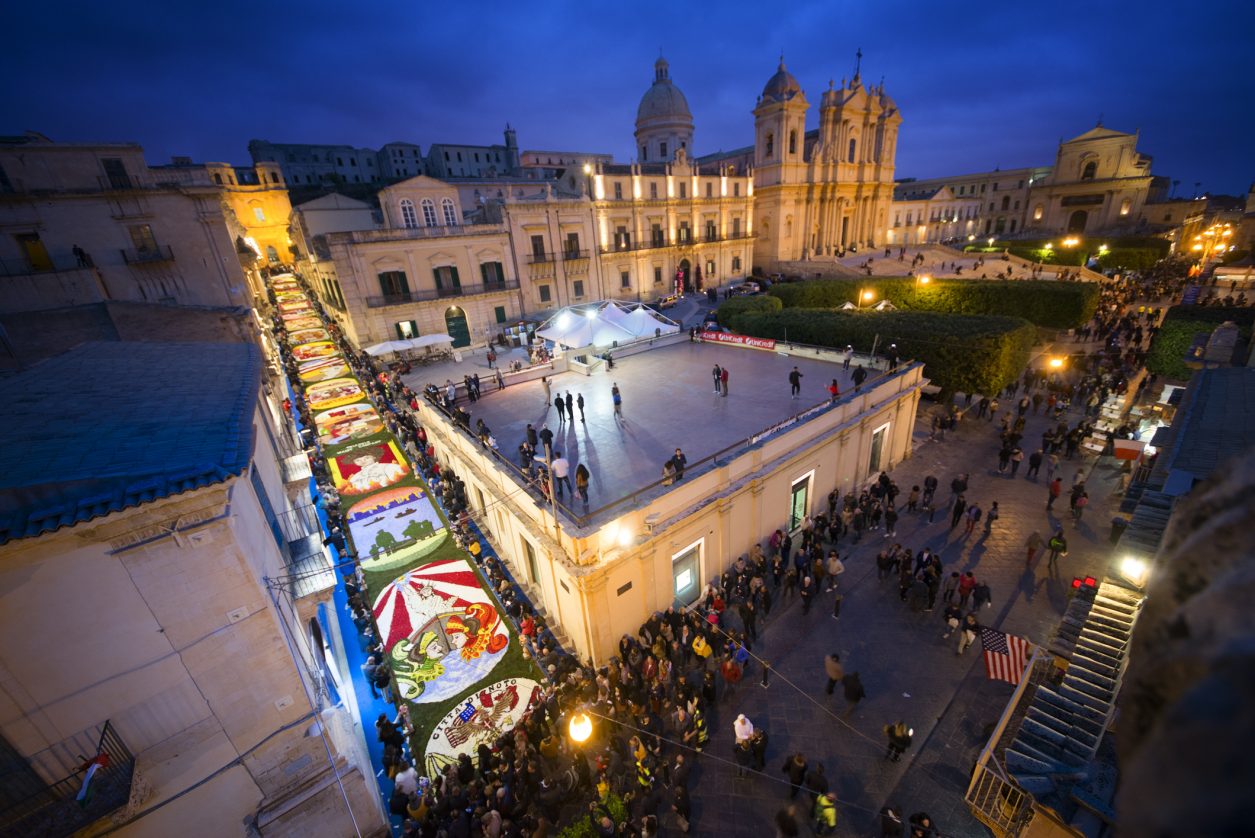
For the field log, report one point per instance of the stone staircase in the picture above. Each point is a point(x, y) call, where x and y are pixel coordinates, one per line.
point(1064, 725)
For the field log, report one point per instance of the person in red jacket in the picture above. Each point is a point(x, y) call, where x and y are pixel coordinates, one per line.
point(967, 583)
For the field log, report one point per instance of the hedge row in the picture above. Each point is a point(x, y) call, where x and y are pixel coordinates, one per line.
point(961, 352)
point(758, 304)
point(1176, 335)
point(1057, 305)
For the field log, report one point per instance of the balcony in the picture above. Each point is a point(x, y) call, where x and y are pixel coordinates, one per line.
point(407, 233)
point(572, 255)
point(428, 294)
point(658, 244)
point(541, 258)
point(148, 255)
point(36, 806)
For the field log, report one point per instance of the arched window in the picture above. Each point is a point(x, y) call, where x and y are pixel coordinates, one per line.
point(1091, 168)
point(853, 149)
point(769, 147)
point(1037, 212)
point(429, 212)
point(409, 219)
point(1125, 206)
point(450, 213)
point(792, 142)
point(1006, 202)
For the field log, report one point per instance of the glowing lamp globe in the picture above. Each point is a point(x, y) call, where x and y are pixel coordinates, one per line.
point(580, 727)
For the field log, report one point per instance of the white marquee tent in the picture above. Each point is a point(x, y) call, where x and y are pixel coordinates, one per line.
point(601, 324)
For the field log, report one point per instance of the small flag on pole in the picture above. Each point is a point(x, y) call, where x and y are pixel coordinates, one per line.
point(1005, 655)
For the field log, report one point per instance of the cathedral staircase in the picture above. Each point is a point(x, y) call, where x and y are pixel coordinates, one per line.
point(1064, 724)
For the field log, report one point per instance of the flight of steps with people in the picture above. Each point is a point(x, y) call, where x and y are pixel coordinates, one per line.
point(1065, 723)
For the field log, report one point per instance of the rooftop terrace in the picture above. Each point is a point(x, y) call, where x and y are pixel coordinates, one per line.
point(669, 402)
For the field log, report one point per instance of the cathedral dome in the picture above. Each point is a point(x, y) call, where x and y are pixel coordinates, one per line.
point(782, 86)
point(663, 100)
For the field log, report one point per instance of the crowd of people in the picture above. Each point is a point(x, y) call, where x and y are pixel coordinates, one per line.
point(658, 700)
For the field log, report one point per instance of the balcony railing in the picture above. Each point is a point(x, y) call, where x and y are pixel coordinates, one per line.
point(428, 294)
point(36, 807)
point(569, 255)
point(57, 263)
point(149, 255)
point(656, 245)
point(404, 233)
point(541, 258)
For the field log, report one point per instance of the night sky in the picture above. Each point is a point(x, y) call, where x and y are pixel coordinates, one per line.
point(979, 84)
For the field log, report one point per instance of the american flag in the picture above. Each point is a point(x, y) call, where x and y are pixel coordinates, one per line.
point(1005, 655)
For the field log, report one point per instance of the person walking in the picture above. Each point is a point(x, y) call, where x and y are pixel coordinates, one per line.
point(544, 382)
point(849, 355)
point(1034, 465)
point(967, 583)
point(956, 513)
point(1078, 507)
point(581, 482)
point(561, 406)
point(1017, 457)
point(991, 515)
point(1032, 545)
point(716, 374)
point(968, 630)
point(795, 768)
point(795, 383)
point(859, 376)
point(579, 400)
point(723, 380)
point(807, 593)
point(499, 378)
point(853, 690)
point(617, 398)
point(570, 406)
point(834, 671)
point(561, 473)
point(1055, 490)
point(899, 736)
point(1058, 545)
point(973, 518)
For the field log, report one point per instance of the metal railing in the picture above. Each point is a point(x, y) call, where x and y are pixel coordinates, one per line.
point(147, 256)
point(57, 263)
point(428, 294)
point(541, 258)
point(568, 255)
point(654, 244)
point(53, 809)
point(715, 460)
point(395, 233)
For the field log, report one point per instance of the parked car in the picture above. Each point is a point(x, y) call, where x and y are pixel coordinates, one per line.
point(667, 302)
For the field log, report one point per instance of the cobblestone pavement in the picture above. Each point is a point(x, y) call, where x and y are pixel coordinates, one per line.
point(909, 671)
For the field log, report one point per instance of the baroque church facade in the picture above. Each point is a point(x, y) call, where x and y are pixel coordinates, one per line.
point(818, 193)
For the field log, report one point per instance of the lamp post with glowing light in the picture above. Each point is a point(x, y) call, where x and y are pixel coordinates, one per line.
point(580, 728)
point(865, 296)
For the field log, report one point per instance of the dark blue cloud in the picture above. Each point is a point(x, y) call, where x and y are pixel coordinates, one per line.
point(979, 86)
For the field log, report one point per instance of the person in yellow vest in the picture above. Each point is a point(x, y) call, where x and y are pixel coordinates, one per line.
point(474, 549)
point(699, 727)
point(825, 813)
point(702, 649)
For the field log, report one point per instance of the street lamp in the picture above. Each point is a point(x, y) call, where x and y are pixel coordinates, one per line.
point(1056, 363)
point(865, 297)
point(580, 728)
point(924, 280)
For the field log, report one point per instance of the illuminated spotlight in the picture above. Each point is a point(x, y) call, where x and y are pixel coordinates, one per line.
point(1135, 570)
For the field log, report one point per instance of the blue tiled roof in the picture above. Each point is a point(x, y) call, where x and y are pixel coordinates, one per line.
point(111, 425)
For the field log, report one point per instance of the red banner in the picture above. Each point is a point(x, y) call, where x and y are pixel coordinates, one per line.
point(741, 340)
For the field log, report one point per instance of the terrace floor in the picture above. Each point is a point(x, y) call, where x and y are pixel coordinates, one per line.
point(669, 402)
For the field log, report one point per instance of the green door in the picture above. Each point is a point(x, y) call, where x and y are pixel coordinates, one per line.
point(455, 326)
